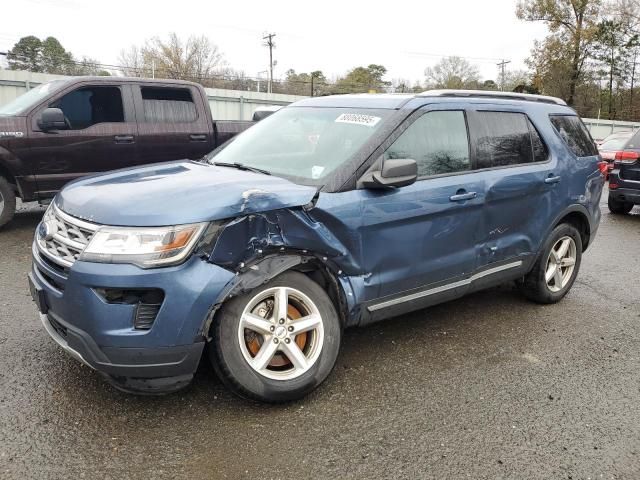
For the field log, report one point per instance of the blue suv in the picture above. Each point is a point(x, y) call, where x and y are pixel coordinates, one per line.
point(333, 212)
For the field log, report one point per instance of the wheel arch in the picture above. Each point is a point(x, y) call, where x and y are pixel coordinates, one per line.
point(5, 169)
point(261, 271)
point(578, 216)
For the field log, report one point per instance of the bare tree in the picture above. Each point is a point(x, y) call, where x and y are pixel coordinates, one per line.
point(452, 72)
point(132, 62)
point(195, 58)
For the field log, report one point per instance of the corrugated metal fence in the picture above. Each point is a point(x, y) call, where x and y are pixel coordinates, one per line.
point(225, 104)
point(240, 105)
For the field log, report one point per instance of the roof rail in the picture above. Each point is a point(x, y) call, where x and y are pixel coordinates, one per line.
point(493, 94)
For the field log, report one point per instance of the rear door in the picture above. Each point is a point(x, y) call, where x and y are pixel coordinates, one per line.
point(426, 233)
point(173, 122)
point(101, 135)
point(522, 180)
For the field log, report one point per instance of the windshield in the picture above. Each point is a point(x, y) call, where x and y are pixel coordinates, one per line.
point(617, 143)
point(30, 98)
point(306, 143)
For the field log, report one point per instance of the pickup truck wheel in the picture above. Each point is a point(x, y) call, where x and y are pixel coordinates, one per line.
point(278, 342)
point(557, 267)
point(617, 207)
point(7, 202)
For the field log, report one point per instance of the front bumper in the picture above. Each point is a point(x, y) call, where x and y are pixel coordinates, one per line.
point(101, 334)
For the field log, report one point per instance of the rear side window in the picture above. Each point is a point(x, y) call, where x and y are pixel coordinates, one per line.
point(575, 134)
point(505, 138)
point(89, 106)
point(437, 141)
point(168, 105)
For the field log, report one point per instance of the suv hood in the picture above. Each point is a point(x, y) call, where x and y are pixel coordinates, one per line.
point(177, 193)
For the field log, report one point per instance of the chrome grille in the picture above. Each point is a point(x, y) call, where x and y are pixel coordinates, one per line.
point(62, 238)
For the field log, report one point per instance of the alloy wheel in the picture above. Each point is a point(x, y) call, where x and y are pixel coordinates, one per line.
point(281, 333)
point(560, 264)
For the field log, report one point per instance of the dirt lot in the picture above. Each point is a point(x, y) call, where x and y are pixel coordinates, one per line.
point(487, 387)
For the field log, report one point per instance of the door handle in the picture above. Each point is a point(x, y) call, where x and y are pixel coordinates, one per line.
point(461, 197)
point(550, 180)
point(123, 139)
point(198, 137)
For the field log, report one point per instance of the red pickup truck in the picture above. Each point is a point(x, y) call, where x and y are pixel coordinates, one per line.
point(65, 129)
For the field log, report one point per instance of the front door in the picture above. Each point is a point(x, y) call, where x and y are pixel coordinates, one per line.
point(425, 234)
point(100, 136)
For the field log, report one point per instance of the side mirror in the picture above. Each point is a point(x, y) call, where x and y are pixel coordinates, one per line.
point(396, 172)
point(52, 119)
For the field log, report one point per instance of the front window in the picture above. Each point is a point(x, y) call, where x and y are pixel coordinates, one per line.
point(31, 98)
point(305, 143)
point(90, 106)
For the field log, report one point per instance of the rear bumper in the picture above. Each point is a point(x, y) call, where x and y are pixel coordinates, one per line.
point(630, 195)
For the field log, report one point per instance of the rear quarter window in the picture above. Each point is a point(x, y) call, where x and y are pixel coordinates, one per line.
point(575, 134)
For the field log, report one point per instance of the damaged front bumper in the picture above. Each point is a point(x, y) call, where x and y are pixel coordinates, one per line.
point(101, 333)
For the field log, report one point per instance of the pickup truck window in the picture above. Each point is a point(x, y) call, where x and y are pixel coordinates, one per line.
point(168, 105)
point(89, 106)
point(31, 98)
point(305, 143)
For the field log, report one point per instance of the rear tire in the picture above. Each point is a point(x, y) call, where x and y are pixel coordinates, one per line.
point(7, 202)
point(262, 351)
point(617, 207)
point(557, 267)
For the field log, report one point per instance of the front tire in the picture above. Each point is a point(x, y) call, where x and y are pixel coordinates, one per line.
point(557, 267)
point(617, 207)
point(278, 342)
point(7, 202)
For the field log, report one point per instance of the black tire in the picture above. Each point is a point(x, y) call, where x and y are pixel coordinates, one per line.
point(534, 285)
point(618, 207)
point(7, 202)
point(234, 370)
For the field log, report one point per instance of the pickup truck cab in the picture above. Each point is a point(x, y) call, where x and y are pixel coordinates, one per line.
point(65, 129)
point(333, 212)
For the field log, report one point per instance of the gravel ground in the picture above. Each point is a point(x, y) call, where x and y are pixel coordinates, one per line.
point(490, 386)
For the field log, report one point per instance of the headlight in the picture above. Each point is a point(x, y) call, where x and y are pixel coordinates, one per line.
point(145, 247)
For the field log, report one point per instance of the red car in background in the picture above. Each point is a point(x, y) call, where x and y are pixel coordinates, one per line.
point(610, 146)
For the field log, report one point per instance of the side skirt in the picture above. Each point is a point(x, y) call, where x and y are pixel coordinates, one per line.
point(491, 275)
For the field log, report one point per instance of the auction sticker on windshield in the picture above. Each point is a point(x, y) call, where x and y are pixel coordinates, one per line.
point(358, 119)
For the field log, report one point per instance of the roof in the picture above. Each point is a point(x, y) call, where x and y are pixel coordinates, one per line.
point(113, 78)
point(395, 101)
point(360, 100)
point(493, 94)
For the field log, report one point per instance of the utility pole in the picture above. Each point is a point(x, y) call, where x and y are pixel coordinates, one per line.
point(503, 65)
point(269, 43)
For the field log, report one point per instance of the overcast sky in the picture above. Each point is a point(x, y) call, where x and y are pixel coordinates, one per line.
point(330, 35)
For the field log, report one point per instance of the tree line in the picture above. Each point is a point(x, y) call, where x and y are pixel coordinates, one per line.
point(589, 58)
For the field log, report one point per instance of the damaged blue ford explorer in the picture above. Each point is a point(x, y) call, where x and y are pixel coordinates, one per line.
point(333, 212)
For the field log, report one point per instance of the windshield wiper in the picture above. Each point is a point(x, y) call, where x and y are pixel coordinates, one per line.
point(242, 166)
